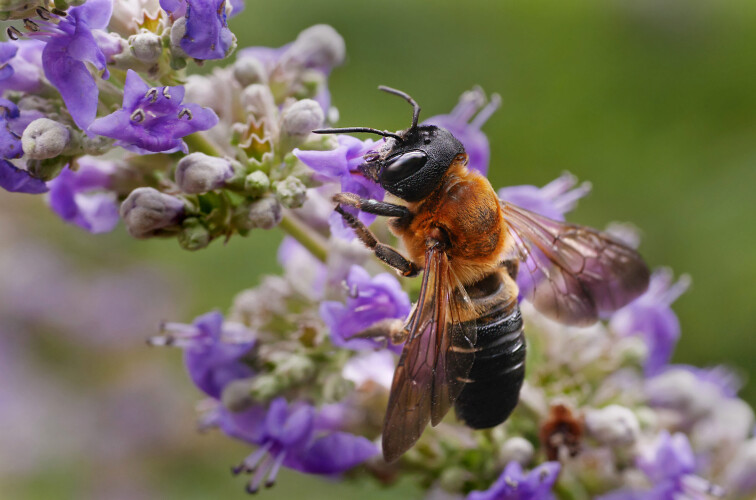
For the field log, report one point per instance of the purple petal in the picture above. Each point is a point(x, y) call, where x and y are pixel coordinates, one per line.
point(73, 80)
point(15, 180)
point(207, 34)
point(336, 453)
point(95, 13)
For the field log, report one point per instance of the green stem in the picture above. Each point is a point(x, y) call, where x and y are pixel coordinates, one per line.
point(304, 235)
point(198, 142)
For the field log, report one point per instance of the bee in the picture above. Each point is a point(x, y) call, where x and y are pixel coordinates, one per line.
point(464, 343)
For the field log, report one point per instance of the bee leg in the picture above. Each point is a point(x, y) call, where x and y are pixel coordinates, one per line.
point(390, 328)
point(384, 252)
point(372, 206)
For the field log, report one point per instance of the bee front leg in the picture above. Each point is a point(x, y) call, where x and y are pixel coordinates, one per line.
point(386, 253)
point(373, 206)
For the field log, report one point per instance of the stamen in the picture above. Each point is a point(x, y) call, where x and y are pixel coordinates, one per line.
point(43, 13)
point(58, 12)
point(251, 463)
point(31, 25)
point(486, 112)
point(254, 485)
point(13, 33)
point(137, 116)
point(151, 95)
point(274, 470)
point(167, 92)
point(185, 112)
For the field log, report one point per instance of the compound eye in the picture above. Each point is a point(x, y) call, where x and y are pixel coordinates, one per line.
point(403, 166)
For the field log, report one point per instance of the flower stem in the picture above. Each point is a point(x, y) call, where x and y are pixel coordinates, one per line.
point(305, 236)
point(198, 142)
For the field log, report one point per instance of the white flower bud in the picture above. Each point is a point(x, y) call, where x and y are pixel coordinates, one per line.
point(295, 368)
point(237, 394)
point(199, 173)
point(265, 213)
point(613, 425)
point(259, 101)
point(178, 30)
point(518, 449)
point(44, 138)
point(681, 390)
point(256, 183)
point(147, 211)
point(146, 46)
point(319, 46)
point(291, 191)
point(740, 477)
point(249, 70)
point(302, 117)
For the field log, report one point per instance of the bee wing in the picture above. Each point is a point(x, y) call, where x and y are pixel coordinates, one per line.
point(436, 358)
point(577, 272)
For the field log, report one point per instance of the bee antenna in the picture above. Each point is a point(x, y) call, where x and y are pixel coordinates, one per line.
point(406, 97)
point(352, 130)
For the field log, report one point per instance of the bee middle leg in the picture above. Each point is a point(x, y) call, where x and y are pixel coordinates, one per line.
point(384, 252)
point(391, 329)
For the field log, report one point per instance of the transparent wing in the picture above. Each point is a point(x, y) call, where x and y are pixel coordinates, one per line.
point(575, 273)
point(436, 358)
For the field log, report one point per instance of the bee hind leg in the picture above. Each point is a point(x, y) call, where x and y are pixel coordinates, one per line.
point(390, 328)
point(384, 252)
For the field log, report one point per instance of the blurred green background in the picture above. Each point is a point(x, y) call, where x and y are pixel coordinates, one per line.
point(652, 101)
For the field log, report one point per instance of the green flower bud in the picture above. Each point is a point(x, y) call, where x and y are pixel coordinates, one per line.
point(237, 395)
point(265, 387)
point(256, 184)
point(453, 478)
point(265, 213)
point(291, 191)
point(194, 235)
point(295, 368)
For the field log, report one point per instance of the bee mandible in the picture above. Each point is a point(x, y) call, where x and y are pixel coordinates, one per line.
point(464, 343)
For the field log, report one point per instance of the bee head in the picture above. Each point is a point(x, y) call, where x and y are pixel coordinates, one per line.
point(412, 162)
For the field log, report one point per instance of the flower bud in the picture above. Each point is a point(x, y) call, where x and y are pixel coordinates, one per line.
point(302, 117)
point(194, 235)
point(249, 70)
point(146, 46)
point(291, 191)
point(613, 425)
point(178, 30)
point(265, 213)
point(740, 477)
point(44, 138)
point(199, 173)
point(295, 368)
point(516, 449)
point(237, 394)
point(148, 212)
point(260, 102)
point(256, 183)
point(264, 387)
point(320, 47)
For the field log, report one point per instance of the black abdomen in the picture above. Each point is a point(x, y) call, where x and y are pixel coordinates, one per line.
point(498, 370)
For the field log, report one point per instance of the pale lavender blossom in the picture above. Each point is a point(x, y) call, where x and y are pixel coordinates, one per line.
point(153, 120)
point(82, 198)
point(213, 350)
point(514, 484)
point(465, 122)
point(670, 466)
point(12, 178)
point(69, 46)
point(8, 51)
point(204, 25)
point(23, 70)
point(342, 165)
point(289, 435)
point(650, 316)
point(369, 300)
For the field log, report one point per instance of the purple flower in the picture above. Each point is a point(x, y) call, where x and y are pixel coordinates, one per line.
point(514, 485)
point(552, 200)
point(463, 126)
point(153, 120)
point(670, 465)
point(291, 435)
point(75, 198)
point(206, 34)
point(304, 271)
point(237, 6)
point(22, 68)
point(342, 164)
point(214, 350)
point(369, 301)
point(70, 44)
point(12, 178)
point(651, 317)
